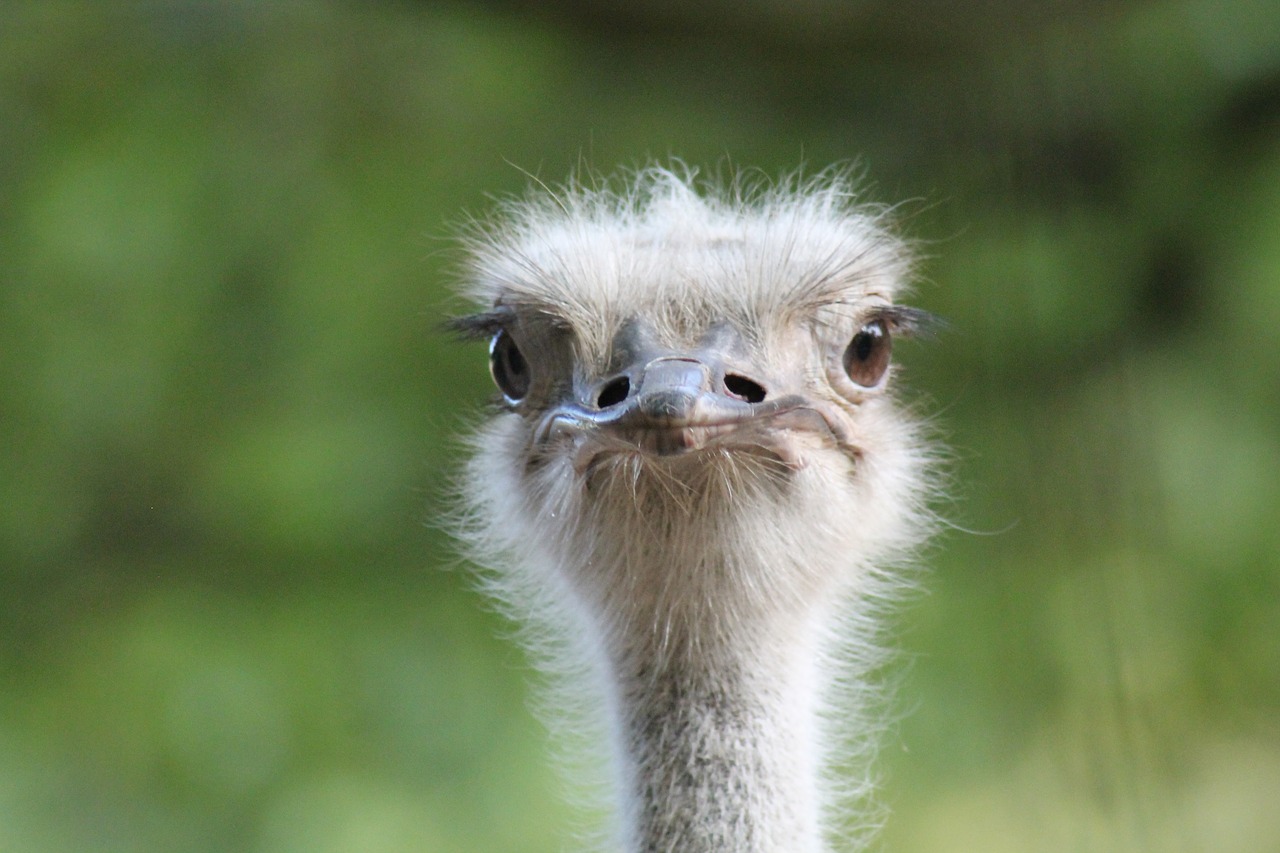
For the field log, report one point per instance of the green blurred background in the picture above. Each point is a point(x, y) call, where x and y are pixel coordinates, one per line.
point(227, 413)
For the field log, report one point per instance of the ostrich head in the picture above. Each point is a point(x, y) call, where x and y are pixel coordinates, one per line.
point(697, 477)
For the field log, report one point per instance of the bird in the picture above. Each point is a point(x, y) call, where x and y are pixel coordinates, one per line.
point(697, 487)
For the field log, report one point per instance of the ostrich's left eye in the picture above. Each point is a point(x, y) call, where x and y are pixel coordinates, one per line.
point(509, 368)
point(867, 357)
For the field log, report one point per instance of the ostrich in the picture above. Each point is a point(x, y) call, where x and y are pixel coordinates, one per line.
point(698, 484)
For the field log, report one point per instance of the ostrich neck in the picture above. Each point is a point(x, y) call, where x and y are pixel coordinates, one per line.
point(719, 748)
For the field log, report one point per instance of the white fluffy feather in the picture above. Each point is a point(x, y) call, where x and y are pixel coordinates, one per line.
point(719, 606)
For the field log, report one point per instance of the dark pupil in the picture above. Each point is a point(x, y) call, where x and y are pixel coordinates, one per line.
point(863, 342)
point(515, 360)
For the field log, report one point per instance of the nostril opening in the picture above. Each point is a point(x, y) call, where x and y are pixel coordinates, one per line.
point(614, 393)
point(744, 389)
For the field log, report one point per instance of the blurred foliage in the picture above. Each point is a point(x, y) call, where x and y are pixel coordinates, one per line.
point(229, 621)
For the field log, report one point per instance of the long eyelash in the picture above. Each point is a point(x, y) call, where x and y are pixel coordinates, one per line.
point(474, 327)
point(486, 324)
point(910, 321)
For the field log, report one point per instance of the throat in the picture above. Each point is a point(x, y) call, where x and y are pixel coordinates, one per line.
point(722, 755)
point(712, 638)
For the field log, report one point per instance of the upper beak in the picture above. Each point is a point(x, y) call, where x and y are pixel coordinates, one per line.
point(675, 391)
point(670, 405)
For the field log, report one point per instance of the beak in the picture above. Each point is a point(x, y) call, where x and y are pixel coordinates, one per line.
point(668, 406)
point(674, 391)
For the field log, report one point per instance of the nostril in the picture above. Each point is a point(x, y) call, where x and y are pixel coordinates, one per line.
point(743, 388)
point(614, 393)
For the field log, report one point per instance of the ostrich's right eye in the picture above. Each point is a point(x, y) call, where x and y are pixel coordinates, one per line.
point(508, 366)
